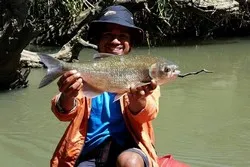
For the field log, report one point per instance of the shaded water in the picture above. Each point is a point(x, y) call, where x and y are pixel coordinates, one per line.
point(204, 120)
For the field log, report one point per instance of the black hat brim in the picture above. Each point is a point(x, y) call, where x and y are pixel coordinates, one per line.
point(95, 30)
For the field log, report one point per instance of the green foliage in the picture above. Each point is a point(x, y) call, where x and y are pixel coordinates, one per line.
point(163, 9)
point(177, 21)
point(74, 7)
point(169, 20)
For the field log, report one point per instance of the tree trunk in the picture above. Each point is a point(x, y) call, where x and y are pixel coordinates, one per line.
point(13, 39)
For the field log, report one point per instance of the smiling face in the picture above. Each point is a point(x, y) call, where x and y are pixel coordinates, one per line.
point(115, 40)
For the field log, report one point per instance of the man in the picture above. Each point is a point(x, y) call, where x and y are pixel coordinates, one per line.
point(102, 132)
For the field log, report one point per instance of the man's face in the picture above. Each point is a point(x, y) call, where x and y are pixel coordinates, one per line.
point(115, 40)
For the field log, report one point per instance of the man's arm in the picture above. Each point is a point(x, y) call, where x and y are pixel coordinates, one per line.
point(65, 104)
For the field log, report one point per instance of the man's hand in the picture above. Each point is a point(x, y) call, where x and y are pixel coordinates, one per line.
point(69, 85)
point(137, 96)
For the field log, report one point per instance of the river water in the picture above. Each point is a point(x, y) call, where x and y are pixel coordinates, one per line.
point(204, 120)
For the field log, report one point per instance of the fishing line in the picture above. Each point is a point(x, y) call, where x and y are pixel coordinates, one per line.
point(193, 73)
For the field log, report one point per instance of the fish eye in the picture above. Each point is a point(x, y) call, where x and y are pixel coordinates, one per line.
point(166, 69)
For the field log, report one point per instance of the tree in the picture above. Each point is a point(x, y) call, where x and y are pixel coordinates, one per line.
point(14, 37)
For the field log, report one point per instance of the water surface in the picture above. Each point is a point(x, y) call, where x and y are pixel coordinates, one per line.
point(204, 120)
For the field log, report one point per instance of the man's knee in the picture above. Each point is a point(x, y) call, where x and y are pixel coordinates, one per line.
point(129, 159)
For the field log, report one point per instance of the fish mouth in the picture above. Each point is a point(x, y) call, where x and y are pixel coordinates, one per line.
point(176, 72)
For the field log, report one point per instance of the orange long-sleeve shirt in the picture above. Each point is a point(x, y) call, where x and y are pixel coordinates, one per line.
point(139, 125)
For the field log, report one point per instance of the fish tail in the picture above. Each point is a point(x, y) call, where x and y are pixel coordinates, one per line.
point(55, 69)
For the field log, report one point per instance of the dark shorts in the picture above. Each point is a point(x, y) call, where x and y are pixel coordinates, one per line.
point(106, 155)
point(142, 154)
point(92, 162)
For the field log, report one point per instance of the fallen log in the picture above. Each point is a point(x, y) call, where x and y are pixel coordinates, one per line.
point(69, 52)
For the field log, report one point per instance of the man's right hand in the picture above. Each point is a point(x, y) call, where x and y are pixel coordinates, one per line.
point(69, 85)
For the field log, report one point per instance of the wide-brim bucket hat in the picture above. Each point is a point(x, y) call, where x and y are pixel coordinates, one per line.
point(119, 15)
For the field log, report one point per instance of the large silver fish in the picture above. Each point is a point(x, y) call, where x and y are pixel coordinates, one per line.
point(111, 73)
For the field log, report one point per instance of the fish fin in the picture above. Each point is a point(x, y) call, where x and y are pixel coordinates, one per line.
point(102, 55)
point(118, 97)
point(54, 69)
point(91, 94)
point(89, 91)
point(140, 84)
